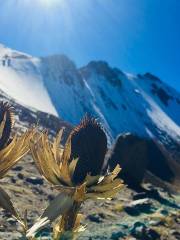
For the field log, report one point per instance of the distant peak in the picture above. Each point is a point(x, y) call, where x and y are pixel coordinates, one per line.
point(103, 69)
point(95, 64)
point(103, 66)
point(149, 76)
point(6, 52)
point(61, 60)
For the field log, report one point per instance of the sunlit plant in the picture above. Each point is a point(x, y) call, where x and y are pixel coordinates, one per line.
point(11, 151)
point(76, 172)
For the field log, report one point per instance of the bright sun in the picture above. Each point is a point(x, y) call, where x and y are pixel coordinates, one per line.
point(49, 3)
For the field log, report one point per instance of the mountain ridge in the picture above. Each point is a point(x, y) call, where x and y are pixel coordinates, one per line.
point(123, 102)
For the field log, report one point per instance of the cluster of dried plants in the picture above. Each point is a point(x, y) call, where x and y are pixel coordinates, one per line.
point(74, 170)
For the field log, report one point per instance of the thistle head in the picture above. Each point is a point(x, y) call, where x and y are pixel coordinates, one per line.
point(89, 145)
point(76, 172)
point(6, 123)
point(11, 151)
point(76, 168)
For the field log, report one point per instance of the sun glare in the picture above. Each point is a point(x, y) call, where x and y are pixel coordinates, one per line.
point(49, 3)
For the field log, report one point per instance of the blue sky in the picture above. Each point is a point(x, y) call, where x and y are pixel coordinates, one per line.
point(136, 36)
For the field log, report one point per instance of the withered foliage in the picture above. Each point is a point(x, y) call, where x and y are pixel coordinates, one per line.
point(11, 151)
point(75, 171)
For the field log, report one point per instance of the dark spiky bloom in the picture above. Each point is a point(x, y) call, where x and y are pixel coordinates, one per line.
point(6, 123)
point(89, 145)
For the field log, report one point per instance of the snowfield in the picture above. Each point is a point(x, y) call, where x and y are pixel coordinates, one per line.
point(23, 81)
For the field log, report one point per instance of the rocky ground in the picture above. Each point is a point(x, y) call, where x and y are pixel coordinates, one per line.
point(146, 216)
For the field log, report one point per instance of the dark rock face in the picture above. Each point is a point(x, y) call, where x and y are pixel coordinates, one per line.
point(161, 93)
point(141, 231)
point(34, 180)
point(178, 100)
point(107, 100)
point(136, 155)
point(138, 207)
point(130, 152)
point(95, 218)
point(102, 68)
point(29, 117)
point(157, 162)
point(151, 77)
point(67, 71)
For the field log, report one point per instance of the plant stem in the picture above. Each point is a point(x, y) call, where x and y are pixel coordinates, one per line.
point(68, 220)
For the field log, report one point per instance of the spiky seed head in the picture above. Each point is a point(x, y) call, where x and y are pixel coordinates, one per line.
point(6, 123)
point(89, 145)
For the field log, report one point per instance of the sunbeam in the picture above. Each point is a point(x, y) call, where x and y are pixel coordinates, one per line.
point(50, 3)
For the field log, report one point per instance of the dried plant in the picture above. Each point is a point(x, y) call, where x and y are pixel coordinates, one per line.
point(76, 173)
point(11, 151)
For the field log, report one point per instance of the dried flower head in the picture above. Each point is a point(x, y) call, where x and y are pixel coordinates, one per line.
point(75, 171)
point(6, 123)
point(89, 145)
point(11, 150)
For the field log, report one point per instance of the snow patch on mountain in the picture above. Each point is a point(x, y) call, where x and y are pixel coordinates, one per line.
point(21, 79)
point(141, 104)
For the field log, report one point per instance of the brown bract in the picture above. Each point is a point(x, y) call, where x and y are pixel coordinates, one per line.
point(58, 166)
point(11, 150)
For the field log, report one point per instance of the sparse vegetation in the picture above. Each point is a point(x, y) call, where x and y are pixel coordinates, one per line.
point(68, 170)
point(71, 173)
point(11, 151)
point(77, 173)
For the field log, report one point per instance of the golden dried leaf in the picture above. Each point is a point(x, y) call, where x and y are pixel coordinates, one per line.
point(111, 176)
point(56, 146)
point(78, 222)
point(44, 159)
point(61, 204)
point(72, 166)
point(11, 154)
point(65, 175)
point(80, 192)
point(104, 187)
point(6, 204)
point(67, 152)
point(105, 195)
point(3, 124)
point(66, 189)
point(44, 153)
point(58, 232)
point(64, 166)
point(92, 180)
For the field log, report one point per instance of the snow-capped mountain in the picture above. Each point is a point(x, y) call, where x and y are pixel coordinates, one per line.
point(140, 104)
point(21, 78)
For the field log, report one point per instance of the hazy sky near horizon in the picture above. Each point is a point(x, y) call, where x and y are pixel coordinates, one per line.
point(136, 36)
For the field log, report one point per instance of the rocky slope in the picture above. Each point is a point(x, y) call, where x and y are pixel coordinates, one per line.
point(26, 117)
point(153, 215)
point(149, 215)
